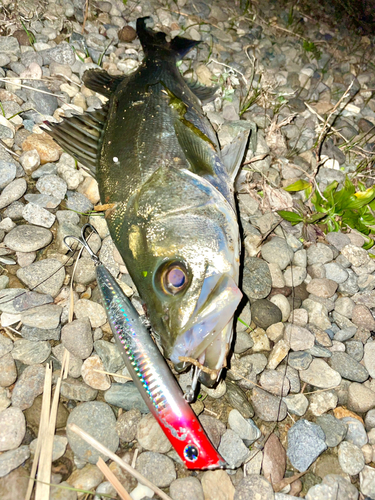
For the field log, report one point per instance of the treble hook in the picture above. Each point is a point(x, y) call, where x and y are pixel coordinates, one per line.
point(83, 241)
point(190, 389)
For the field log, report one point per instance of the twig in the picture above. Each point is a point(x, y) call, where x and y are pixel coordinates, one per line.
point(112, 374)
point(230, 67)
point(103, 449)
point(134, 461)
point(121, 491)
point(85, 15)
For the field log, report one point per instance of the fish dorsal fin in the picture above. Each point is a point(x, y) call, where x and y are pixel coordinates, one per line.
point(233, 153)
point(200, 154)
point(81, 136)
point(204, 94)
point(100, 81)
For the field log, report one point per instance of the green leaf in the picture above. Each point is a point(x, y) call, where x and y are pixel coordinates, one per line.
point(290, 216)
point(315, 217)
point(297, 186)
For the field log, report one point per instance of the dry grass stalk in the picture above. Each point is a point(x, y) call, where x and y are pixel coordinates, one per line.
point(44, 417)
point(121, 491)
point(112, 374)
point(103, 449)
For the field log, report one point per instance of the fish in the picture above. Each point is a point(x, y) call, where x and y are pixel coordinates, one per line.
point(169, 197)
point(150, 372)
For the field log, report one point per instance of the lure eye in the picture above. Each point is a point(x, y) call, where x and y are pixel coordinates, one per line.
point(191, 453)
point(174, 278)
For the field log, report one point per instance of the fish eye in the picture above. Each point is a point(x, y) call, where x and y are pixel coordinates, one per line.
point(174, 277)
point(191, 453)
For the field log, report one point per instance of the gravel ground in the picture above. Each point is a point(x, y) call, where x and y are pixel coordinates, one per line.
point(295, 415)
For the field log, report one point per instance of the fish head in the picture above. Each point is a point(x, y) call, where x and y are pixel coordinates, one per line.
point(184, 262)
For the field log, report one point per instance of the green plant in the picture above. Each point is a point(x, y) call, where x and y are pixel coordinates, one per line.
point(29, 34)
point(310, 47)
point(336, 209)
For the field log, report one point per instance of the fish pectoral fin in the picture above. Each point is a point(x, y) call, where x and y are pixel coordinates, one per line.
point(81, 136)
point(233, 153)
point(199, 153)
point(100, 81)
point(204, 94)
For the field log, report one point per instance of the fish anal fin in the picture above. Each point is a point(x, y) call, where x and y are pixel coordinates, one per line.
point(204, 94)
point(81, 136)
point(233, 153)
point(100, 81)
point(199, 153)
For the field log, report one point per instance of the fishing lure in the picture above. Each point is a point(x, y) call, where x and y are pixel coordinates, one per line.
point(151, 374)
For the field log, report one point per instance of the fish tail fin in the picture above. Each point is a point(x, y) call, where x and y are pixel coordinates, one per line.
point(154, 42)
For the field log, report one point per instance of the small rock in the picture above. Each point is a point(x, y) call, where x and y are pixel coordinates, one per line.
point(125, 396)
point(333, 428)
point(253, 486)
point(84, 308)
point(298, 338)
point(86, 478)
point(267, 406)
point(213, 427)
point(232, 449)
point(356, 432)
point(34, 276)
point(12, 428)
point(367, 481)
point(321, 402)
point(324, 287)
point(127, 34)
point(12, 459)
point(93, 378)
point(319, 254)
point(77, 390)
point(319, 374)
point(151, 436)
point(46, 147)
point(76, 336)
point(98, 420)
point(277, 251)
point(7, 173)
point(355, 255)
point(38, 216)
point(369, 358)
point(264, 313)
point(39, 317)
point(28, 386)
point(127, 423)
point(333, 487)
point(283, 304)
point(186, 488)
point(30, 161)
point(274, 382)
point(274, 459)
point(348, 367)
point(237, 399)
point(360, 398)
point(12, 192)
point(110, 355)
point(257, 281)
point(30, 352)
point(297, 404)
point(362, 317)
point(306, 441)
point(351, 458)
point(157, 468)
point(245, 429)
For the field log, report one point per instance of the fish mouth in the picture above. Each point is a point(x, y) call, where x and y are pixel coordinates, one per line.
point(208, 332)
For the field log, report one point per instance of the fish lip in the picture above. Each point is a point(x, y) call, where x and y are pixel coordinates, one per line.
point(208, 321)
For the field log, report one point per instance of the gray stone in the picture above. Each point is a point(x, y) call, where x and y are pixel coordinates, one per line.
point(52, 185)
point(39, 317)
point(151, 436)
point(38, 216)
point(7, 173)
point(85, 308)
point(344, 306)
point(257, 281)
point(61, 54)
point(28, 386)
point(76, 336)
point(77, 390)
point(354, 348)
point(333, 428)
point(367, 481)
point(306, 441)
point(97, 419)
point(12, 192)
point(356, 256)
point(233, 450)
point(34, 276)
point(27, 238)
point(186, 488)
point(369, 358)
point(297, 404)
point(244, 428)
point(32, 333)
point(157, 468)
point(213, 427)
point(12, 428)
point(267, 406)
point(274, 382)
point(264, 313)
point(348, 367)
point(277, 251)
point(8, 370)
point(12, 459)
point(78, 202)
point(300, 360)
point(333, 487)
point(127, 423)
point(299, 338)
point(319, 374)
point(338, 240)
point(336, 272)
point(356, 432)
point(319, 254)
point(360, 398)
point(28, 300)
point(30, 352)
point(125, 396)
point(253, 487)
point(237, 399)
point(351, 458)
point(110, 355)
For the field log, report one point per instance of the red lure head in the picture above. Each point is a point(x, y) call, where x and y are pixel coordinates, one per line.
point(190, 441)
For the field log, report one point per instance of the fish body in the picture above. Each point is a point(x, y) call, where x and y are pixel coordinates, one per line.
point(153, 378)
point(170, 192)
